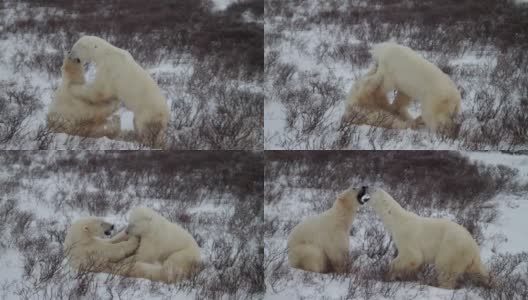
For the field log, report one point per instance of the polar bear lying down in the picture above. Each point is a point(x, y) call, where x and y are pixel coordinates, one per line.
point(87, 249)
point(166, 252)
point(76, 116)
point(447, 245)
point(320, 243)
point(414, 78)
point(119, 75)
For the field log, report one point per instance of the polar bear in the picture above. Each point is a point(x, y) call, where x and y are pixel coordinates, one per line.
point(367, 104)
point(70, 114)
point(86, 249)
point(414, 78)
point(118, 75)
point(320, 243)
point(167, 252)
point(447, 245)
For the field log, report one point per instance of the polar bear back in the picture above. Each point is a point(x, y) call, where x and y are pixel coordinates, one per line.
point(130, 82)
point(405, 69)
point(320, 230)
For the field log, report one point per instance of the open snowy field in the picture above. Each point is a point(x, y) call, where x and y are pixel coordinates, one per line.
point(216, 196)
point(315, 50)
point(487, 193)
point(207, 58)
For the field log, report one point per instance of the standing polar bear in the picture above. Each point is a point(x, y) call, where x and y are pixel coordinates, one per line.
point(86, 248)
point(167, 252)
point(73, 115)
point(447, 245)
point(414, 78)
point(320, 243)
point(118, 75)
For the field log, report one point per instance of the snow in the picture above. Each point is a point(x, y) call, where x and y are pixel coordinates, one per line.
point(222, 4)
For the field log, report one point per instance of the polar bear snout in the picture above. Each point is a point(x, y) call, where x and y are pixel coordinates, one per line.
point(108, 231)
point(363, 195)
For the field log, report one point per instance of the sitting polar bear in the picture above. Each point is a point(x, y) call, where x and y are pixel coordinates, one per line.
point(86, 249)
point(70, 114)
point(400, 68)
point(118, 75)
point(320, 243)
point(167, 252)
point(420, 240)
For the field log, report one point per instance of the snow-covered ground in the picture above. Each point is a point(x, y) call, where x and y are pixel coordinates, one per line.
point(214, 103)
point(315, 50)
point(299, 187)
point(42, 193)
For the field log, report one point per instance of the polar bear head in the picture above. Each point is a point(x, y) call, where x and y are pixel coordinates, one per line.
point(89, 48)
point(93, 227)
point(354, 196)
point(383, 203)
point(72, 71)
point(141, 221)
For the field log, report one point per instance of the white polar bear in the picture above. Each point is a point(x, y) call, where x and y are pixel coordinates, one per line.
point(447, 245)
point(167, 252)
point(118, 75)
point(70, 114)
point(321, 243)
point(86, 249)
point(414, 78)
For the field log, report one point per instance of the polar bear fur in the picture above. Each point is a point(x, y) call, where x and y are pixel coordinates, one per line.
point(447, 245)
point(321, 243)
point(414, 78)
point(86, 249)
point(70, 114)
point(118, 75)
point(167, 252)
point(367, 104)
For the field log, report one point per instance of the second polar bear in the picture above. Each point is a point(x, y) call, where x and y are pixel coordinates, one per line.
point(70, 114)
point(414, 78)
point(119, 75)
point(87, 249)
point(167, 252)
point(321, 243)
point(447, 245)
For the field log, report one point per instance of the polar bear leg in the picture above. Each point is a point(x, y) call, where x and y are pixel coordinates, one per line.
point(150, 132)
point(437, 114)
point(179, 265)
point(404, 264)
point(338, 261)
point(401, 104)
point(87, 129)
point(308, 257)
point(449, 266)
point(153, 272)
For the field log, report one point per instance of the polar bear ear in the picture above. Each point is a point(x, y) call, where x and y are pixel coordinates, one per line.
point(85, 228)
